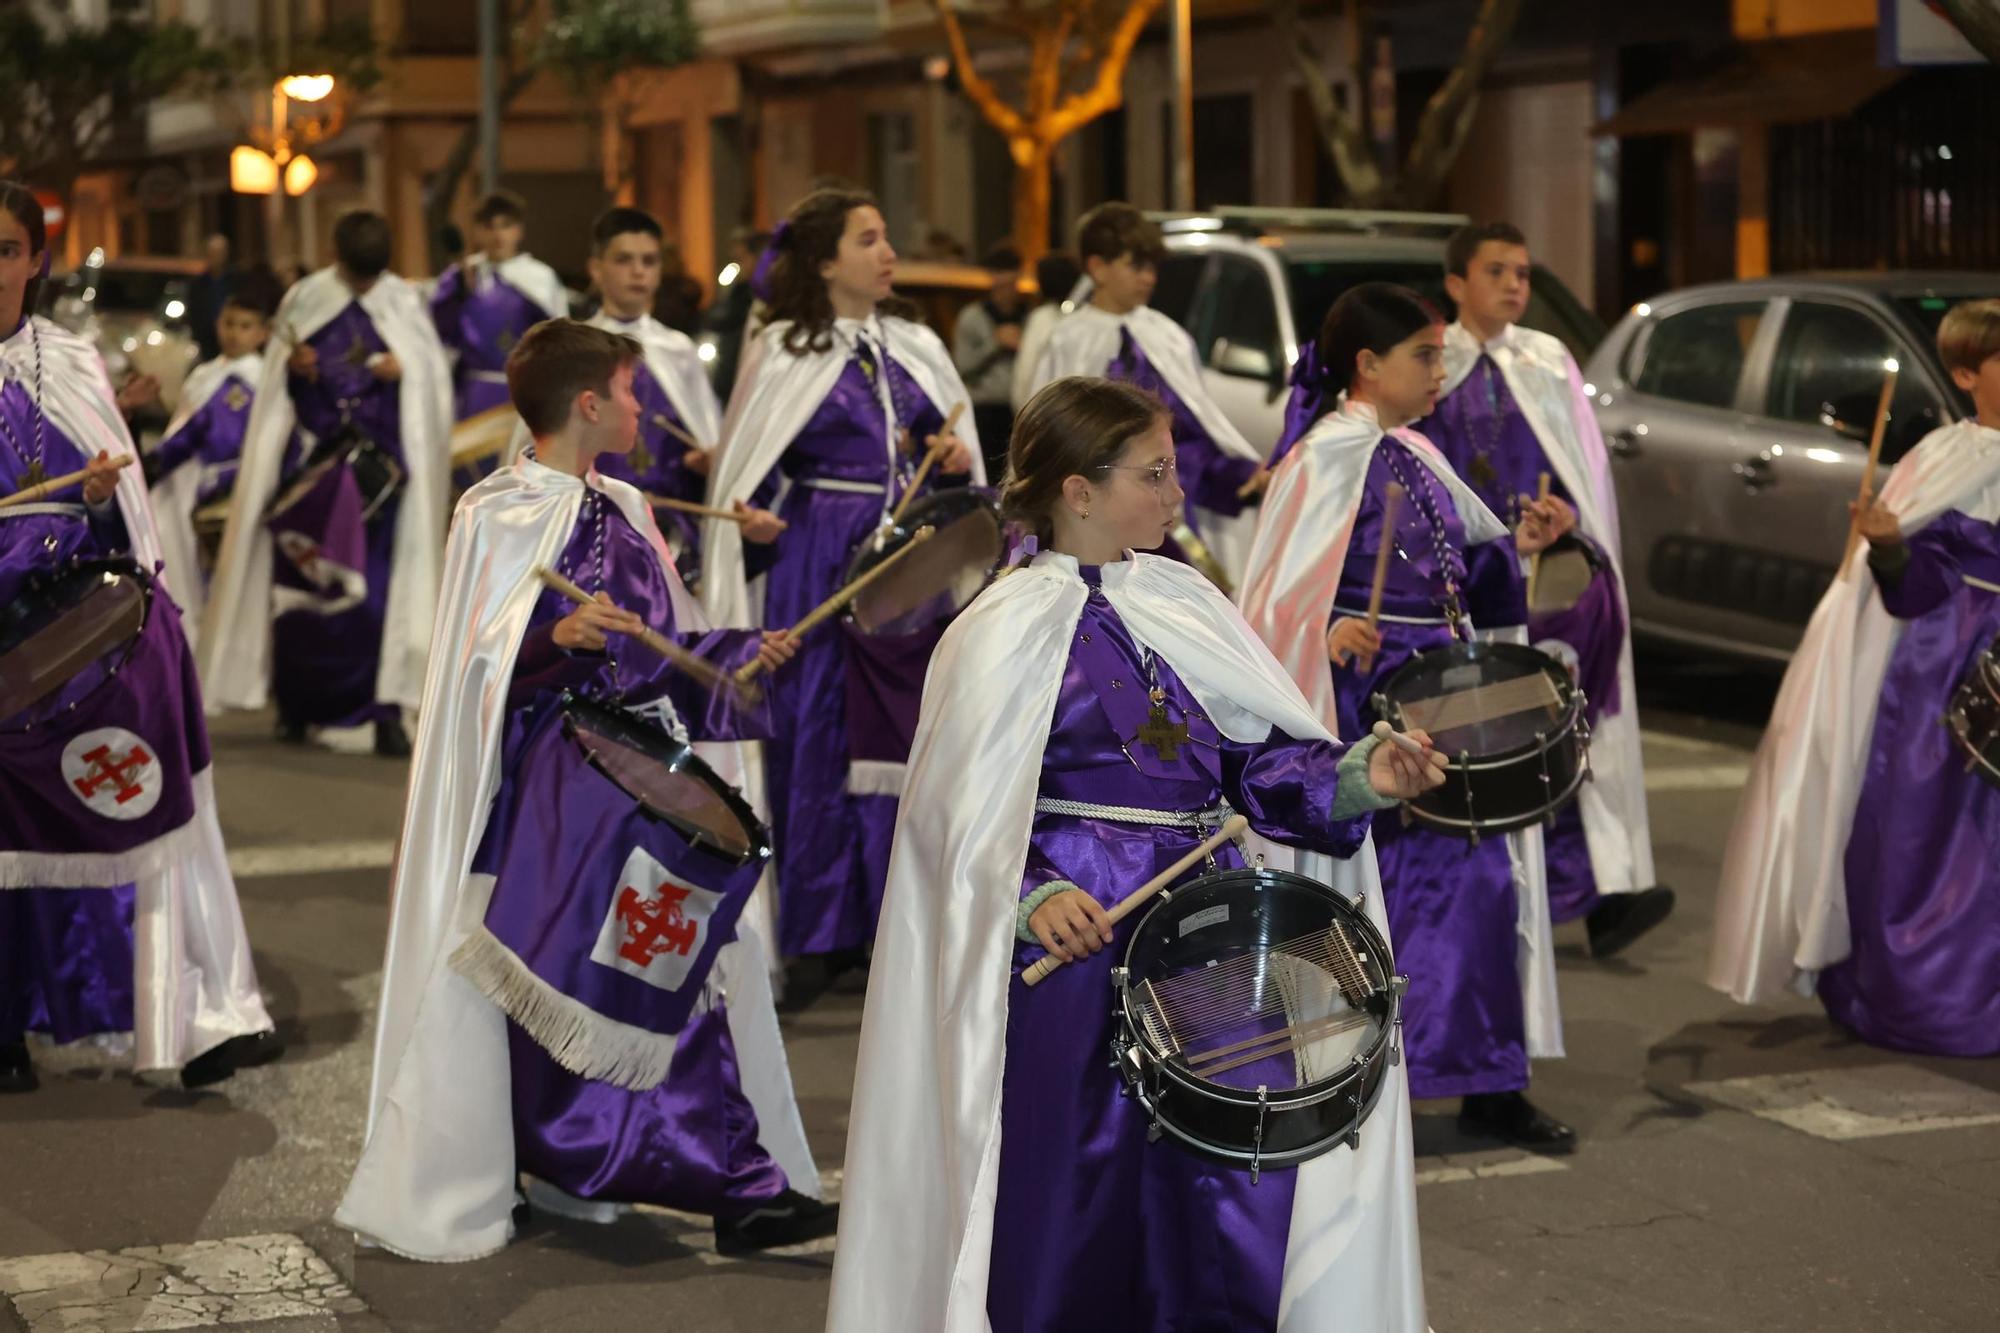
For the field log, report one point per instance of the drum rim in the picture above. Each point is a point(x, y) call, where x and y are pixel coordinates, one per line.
point(1510, 823)
point(1279, 1160)
point(976, 499)
point(1570, 692)
point(123, 566)
point(685, 760)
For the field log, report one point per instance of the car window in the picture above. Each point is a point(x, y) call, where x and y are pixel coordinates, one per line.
point(1241, 333)
point(1180, 277)
point(1317, 283)
point(1828, 371)
point(1697, 356)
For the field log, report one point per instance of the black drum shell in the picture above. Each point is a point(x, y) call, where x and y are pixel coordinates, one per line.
point(35, 608)
point(1974, 714)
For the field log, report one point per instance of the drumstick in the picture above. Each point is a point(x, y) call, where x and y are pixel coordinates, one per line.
point(748, 672)
point(700, 668)
point(1874, 457)
point(1383, 731)
point(931, 455)
point(29, 494)
point(681, 435)
point(1392, 501)
point(1232, 828)
point(690, 507)
point(1535, 560)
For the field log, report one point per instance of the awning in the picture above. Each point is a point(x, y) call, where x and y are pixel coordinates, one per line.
point(1762, 83)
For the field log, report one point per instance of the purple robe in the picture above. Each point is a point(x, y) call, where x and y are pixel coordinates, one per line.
point(1923, 859)
point(480, 319)
point(1451, 904)
point(212, 439)
point(324, 665)
point(1209, 475)
point(832, 843)
point(1093, 1226)
point(1482, 430)
point(691, 1141)
point(657, 465)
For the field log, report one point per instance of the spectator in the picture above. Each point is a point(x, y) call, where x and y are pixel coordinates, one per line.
point(984, 344)
point(208, 293)
point(1056, 276)
point(678, 305)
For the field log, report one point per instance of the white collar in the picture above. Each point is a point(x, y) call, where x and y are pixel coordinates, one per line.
point(1358, 411)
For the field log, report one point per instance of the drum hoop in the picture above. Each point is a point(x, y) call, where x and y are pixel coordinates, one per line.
point(125, 569)
point(1509, 758)
point(1508, 824)
point(913, 518)
point(1565, 722)
point(1959, 724)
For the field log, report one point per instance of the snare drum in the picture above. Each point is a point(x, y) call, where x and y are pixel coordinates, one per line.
point(1564, 574)
point(666, 780)
point(66, 635)
point(959, 560)
point(1510, 720)
point(1257, 1017)
point(377, 475)
point(1974, 715)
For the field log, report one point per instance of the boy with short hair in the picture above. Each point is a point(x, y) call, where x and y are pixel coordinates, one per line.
point(485, 302)
point(1119, 336)
point(569, 992)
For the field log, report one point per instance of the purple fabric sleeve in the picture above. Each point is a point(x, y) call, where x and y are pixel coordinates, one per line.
point(1286, 788)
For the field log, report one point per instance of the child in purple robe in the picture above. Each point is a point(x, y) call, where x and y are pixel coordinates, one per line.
point(498, 833)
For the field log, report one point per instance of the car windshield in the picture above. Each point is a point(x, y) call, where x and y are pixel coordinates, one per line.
point(1318, 283)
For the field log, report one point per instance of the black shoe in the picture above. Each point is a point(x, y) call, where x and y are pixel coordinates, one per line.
point(252, 1049)
point(524, 1213)
point(1512, 1117)
point(789, 1219)
point(1620, 918)
point(210, 1067)
point(806, 979)
point(17, 1071)
point(391, 742)
point(289, 732)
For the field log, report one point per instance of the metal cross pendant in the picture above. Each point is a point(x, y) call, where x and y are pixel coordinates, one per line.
point(35, 474)
point(1481, 473)
point(1165, 737)
point(356, 353)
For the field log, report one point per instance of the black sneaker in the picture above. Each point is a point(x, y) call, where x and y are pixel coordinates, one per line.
point(1512, 1117)
point(789, 1219)
point(1620, 918)
point(17, 1071)
point(391, 741)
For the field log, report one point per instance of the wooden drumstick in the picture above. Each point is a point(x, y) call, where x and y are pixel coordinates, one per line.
point(1867, 495)
point(1535, 560)
point(699, 667)
point(1232, 828)
point(1383, 731)
point(29, 494)
point(749, 671)
point(699, 511)
point(682, 435)
point(1392, 504)
point(931, 456)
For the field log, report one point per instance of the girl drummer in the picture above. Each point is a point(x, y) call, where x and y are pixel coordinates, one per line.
point(1473, 1012)
point(1084, 721)
point(840, 398)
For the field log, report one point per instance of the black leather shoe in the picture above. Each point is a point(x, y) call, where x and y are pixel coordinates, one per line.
point(17, 1071)
point(210, 1067)
point(1512, 1117)
point(789, 1219)
point(252, 1049)
point(806, 979)
point(290, 733)
point(391, 742)
point(1621, 918)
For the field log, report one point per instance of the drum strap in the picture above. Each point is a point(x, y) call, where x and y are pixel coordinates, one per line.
point(1132, 814)
point(836, 484)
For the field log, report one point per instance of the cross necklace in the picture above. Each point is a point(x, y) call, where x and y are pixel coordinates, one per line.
point(1165, 737)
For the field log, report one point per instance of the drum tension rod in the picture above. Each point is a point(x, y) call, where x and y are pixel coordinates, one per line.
point(1257, 1139)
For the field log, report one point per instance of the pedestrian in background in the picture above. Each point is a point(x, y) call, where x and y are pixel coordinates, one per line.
point(208, 293)
point(985, 343)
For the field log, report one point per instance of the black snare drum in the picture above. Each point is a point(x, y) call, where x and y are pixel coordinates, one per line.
point(1510, 720)
point(1257, 1017)
point(667, 779)
point(956, 564)
point(79, 624)
point(1974, 715)
point(377, 475)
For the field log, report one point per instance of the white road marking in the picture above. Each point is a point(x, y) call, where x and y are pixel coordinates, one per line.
point(1697, 777)
point(235, 1281)
point(1451, 1168)
point(1859, 1103)
point(308, 858)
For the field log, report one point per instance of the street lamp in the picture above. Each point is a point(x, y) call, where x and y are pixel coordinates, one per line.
point(276, 156)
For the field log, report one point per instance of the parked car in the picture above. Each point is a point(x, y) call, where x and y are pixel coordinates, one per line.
point(1251, 284)
point(136, 310)
point(1738, 416)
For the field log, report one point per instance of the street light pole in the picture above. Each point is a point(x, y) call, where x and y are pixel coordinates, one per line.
point(1181, 53)
point(489, 95)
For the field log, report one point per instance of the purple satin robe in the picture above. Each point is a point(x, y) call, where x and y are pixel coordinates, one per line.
point(212, 439)
point(1451, 905)
point(691, 1141)
point(1208, 475)
point(832, 843)
point(1923, 859)
point(1094, 1227)
point(480, 318)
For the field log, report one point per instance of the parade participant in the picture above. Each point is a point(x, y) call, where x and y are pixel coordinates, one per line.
point(207, 430)
point(840, 399)
point(1471, 919)
point(332, 617)
point(1865, 859)
point(1118, 335)
point(995, 1172)
point(117, 909)
point(508, 1046)
point(1514, 411)
point(485, 302)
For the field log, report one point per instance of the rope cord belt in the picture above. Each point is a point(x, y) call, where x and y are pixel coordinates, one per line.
point(1132, 814)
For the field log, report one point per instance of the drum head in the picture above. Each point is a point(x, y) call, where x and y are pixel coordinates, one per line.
point(668, 779)
point(1564, 576)
point(936, 583)
point(1481, 698)
point(84, 618)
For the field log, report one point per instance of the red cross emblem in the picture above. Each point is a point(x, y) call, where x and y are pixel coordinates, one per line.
point(655, 925)
point(104, 768)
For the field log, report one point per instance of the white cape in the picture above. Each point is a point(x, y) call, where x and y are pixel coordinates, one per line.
point(173, 499)
point(235, 644)
point(195, 985)
point(1085, 342)
point(1548, 387)
point(923, 1151)
point(530, 277)
point(1295, 566)
point(675, 366)
point(1781, 903)
point(436, 1176)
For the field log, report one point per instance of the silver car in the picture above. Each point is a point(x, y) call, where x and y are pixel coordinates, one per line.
point(1738, 417)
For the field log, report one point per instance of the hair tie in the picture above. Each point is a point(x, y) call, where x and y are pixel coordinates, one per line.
point(1309, 373)
point(760, 277)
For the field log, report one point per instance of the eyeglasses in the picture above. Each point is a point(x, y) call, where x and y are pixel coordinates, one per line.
point(1155, 473)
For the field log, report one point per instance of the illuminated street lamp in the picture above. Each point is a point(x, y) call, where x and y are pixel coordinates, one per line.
point(277, 156)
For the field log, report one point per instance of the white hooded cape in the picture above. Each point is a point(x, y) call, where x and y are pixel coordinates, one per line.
point(1781, 903)
point(674, 365)
point(530, 277)
point(235, 644)
point(923, 1151)
point(1085, 341)
point(436, 1176)
point(173, 499)
point(1549, 389)
point(195, 985)
point(1295, 566)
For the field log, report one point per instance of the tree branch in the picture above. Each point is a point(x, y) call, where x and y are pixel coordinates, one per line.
point(1447, 117)
point(1107, 91)
point(1979, 20)
point(1344, 137)
point(982, 93)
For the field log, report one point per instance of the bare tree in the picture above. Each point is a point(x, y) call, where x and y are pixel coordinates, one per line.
point(1077, 54)
point(1979, 20)
point(1416, 181)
